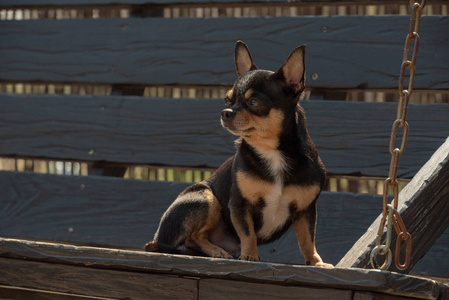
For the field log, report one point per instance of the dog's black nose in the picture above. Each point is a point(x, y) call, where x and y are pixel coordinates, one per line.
point(227, 114)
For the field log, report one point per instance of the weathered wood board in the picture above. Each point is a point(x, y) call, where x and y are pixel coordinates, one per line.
point(342, 52)
point(225, 289)
point(434, 262)
point(126, 213)
point(98, 283)
point(16, 3)
point(72, 261)
point(351, 137)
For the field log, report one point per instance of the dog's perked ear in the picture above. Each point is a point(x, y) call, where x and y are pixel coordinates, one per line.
point(293, 70)
point(243, 60)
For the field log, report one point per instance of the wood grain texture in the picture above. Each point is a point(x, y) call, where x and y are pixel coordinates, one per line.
point(257, 272)
point(81, 281)
point(353, 51)
point(225, 289)
point(351, 137)
point(435, 258)
point(19, 293)
point(126, 213)
point(376, 296)
point(90, 210)
point(30, 3)
point(423, 208)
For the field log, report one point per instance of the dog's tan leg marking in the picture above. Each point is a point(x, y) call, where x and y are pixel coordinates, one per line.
point(307, 245)
point(199, 236)
point(302, 196)
point(248, 242)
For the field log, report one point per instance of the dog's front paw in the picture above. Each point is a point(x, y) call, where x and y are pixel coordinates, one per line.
point(152, 246)
point(220, 253)
point(249, 257)
point(324, 265)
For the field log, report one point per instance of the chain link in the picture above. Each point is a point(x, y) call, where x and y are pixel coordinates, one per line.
point(390, 215)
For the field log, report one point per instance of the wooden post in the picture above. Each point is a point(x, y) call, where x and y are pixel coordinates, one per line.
point(424, 209)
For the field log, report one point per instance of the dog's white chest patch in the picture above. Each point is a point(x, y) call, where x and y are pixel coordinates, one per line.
point(275, 161)
point(275, 212)
point(277, 198)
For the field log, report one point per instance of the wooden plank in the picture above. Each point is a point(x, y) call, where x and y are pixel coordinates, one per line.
point(37, 3)
point(351, 137)
point(89, 210)
point(28, 3)
point(95, 282)
point(93, 210)
point(423, 207)
point(226, 289)
point(257, 272)
point(8, 292)
point(361, 147)
point(377, 296)
point(105, 169)
point(115, 129)
point(167, 51)
point(435, 261)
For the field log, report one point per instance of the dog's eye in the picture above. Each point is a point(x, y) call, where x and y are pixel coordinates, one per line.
point(228, 102)
point(254, 102)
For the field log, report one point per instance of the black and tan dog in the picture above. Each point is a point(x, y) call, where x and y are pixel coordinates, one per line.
point(271, 183)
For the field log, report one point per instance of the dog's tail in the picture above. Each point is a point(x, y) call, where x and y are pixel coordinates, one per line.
point(154, 246)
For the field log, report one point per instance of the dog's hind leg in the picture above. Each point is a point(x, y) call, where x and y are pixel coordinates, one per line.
point(199, 235)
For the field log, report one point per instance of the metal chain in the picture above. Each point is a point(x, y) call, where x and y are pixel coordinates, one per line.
point(390, 212)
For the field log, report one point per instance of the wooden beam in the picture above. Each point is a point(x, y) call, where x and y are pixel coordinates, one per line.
point(423, 205)
point(36, 260)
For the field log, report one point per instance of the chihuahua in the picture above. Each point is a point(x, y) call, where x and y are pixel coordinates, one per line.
point(270, 184)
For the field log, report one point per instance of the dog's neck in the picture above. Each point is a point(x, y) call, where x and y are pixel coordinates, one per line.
point(279, 152)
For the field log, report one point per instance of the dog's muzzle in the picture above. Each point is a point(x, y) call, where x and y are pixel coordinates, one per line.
point(227, 114)
point(226, 117)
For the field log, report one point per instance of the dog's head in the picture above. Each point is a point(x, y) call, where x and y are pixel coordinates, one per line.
point(261, 101)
